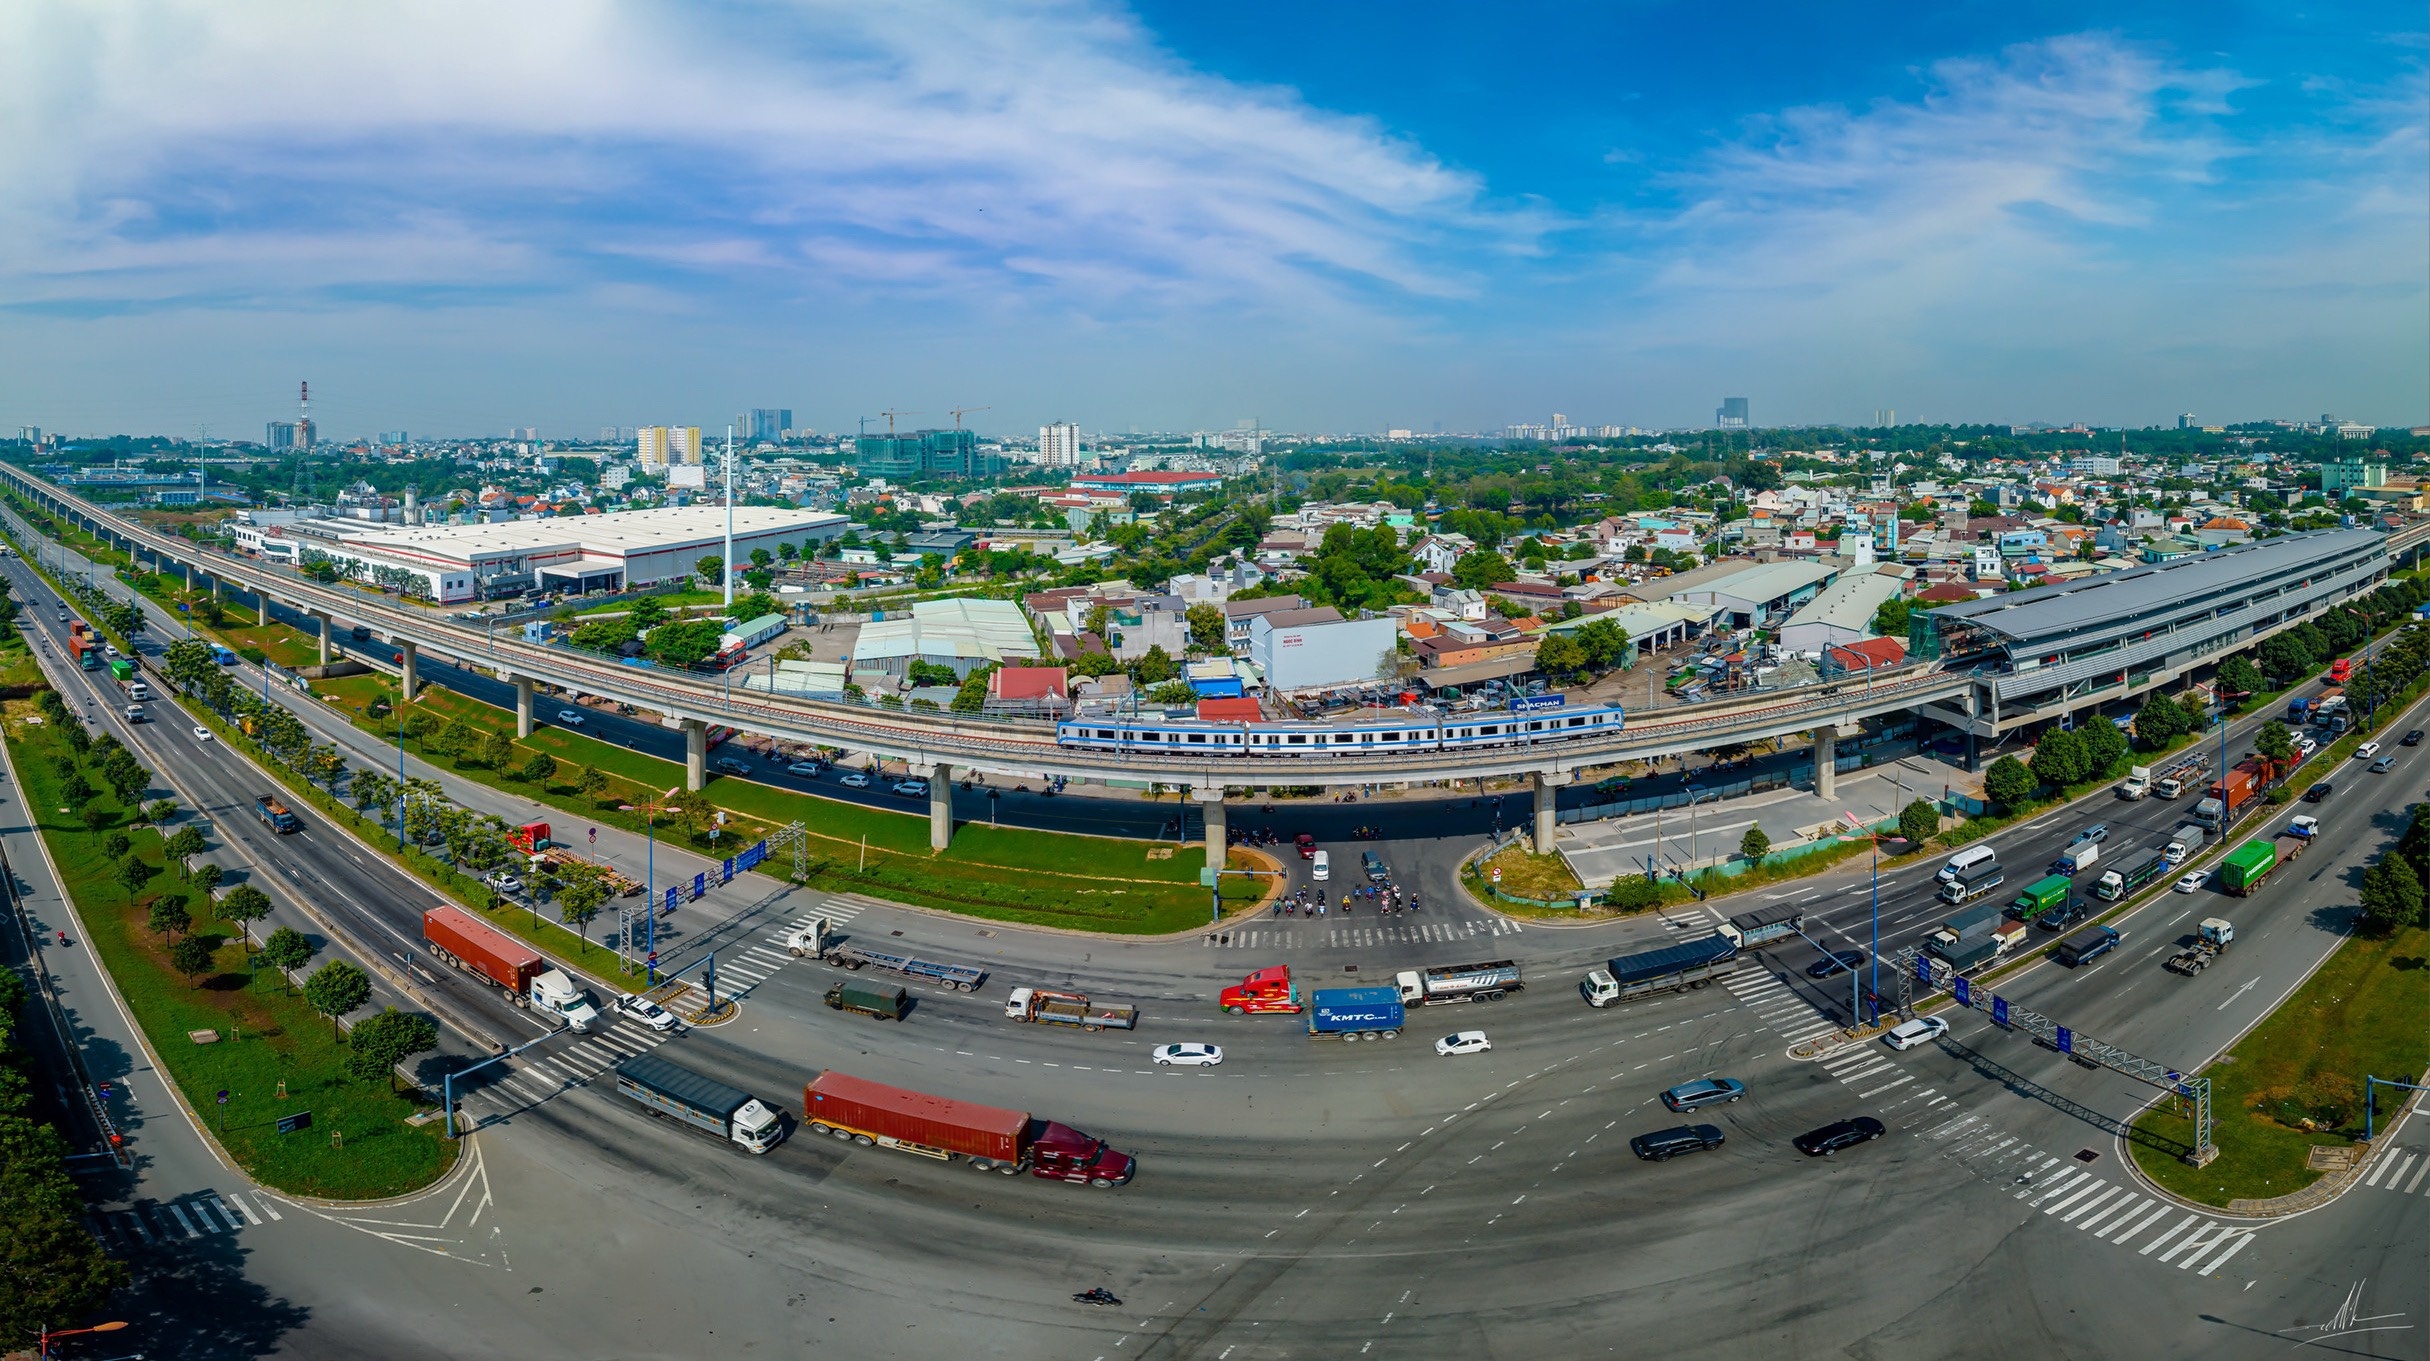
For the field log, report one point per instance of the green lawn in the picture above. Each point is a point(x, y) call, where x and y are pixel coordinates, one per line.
point(2362, 1013)
point(266, 1036)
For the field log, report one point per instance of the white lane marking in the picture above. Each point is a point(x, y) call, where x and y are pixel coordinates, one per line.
point(2130, 1202)
point(2182, 1226)
point(2417, 1177)
point(2380, 1169)
point(2123, 1233)
point(2221, 1259)
point(2197, 1243)
point(2106, 1193)
point(1903, 1078)
point(182, 1222)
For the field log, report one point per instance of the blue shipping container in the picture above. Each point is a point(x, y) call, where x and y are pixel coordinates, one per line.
point(1353, 1011)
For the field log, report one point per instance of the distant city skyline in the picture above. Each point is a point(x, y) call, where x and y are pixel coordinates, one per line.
point(454, 221)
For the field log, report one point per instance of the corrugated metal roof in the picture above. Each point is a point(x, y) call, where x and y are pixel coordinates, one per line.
point(1848, 603)
point(2144, 593)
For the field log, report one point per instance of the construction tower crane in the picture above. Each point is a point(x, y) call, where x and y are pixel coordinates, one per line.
point(890, 413)
point(957, 413)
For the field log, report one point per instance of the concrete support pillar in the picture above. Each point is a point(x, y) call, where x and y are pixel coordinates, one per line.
point(940, 806)
point(1826, 762)
point(324, 622)
point(695, 754)
point(1547, 782)
point(407, 678)
point(189, 576)
point(215, 590)
point(1210, 806)
point(523, 707)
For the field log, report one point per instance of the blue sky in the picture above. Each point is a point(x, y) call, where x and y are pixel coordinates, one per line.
point(457, 217)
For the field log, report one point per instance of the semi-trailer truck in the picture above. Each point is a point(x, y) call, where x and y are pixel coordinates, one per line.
point(2247, 865)
point(730, 1113)
point(1261, 991)
point(1356, 1013)
point(1764, 925)
point(1486, 982)
point(1667, 968)
point(476, 947)
point(990, 1138)
point(1044, 1006)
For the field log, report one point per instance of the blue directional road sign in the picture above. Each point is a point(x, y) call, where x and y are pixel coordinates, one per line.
point(2067, 1040)
point(1999, 1010)
point(1964, 992)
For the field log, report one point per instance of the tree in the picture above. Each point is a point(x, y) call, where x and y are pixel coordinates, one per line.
point(692, 806)
point(2159, 722)
point(584, 891)
point(336, 988)
point(115, 845)
point(1479, 568)
point(55, 1268)
point(207, 876)
point(288, 950)
point(1919, 822)
point(1890, 621)
point(2391, 893)
point(2008, 783)
point(1560, 656)
point(2238, 675)
point(2274, 741)
point(168, 915)
point(2285, 657)
point(1207, 629)
point(183, 845)
point(244, 905)
point(191, 957)
point(711, 570)
point(592, 781)
point(2059, 759)
point(384, 1041)
point(497, 749)
point(1154, 667)
point(687, 643)
point(2103, 746)
point(1755, 845)
point(539, 768)
point(2414, 845)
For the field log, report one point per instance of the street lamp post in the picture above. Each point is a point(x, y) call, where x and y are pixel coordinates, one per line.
point(49, 1333)
point(649, 902)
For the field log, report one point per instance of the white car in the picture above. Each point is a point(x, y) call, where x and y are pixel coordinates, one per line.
point(647, 1012)
point(505, 882)
point(572, 718)
point(911, 789)
point(2303, 825)
point(854, 780)
point(802, 768)
point(2366, 751)
point(1921, 1030)
point(201, 733)
point(2306, 745)
point(1466, 1042)
point(2191, 880)
point(1188, 1055)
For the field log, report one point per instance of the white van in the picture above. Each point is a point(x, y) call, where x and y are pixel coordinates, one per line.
point(1323, 867)
point(1969, 858)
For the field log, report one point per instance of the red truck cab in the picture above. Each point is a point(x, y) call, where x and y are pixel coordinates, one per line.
point(1058, 1152)
point(2341, 670)
point(530, 838)
point(1266, 990)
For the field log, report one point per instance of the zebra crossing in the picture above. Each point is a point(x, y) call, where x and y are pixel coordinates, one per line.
point(1868, 1071)
point(1350, 936)
point(200, 1214)
point(2402, 1170)
point(536, 1075)
point(1778, 1006)
point(739, 971)
point(2068, 1192)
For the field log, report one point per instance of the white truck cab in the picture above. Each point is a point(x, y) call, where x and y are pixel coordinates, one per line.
point(556, 994)
point(756, 1127)
point(810, 938)
point(1016, 1003)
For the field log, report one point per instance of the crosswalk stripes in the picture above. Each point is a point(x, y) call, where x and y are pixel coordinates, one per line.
point(192, 1217)
point(1274, 934)
point(2059, 1189)
point(2405, 1171)
point(1774, 1004)
point(530, 1079)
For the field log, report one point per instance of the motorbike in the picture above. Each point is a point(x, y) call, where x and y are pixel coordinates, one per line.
point(1098, 1295)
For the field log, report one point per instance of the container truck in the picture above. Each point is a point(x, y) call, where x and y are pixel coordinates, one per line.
point(1764, 925)
point(886, 1001)
point(664, 1090)
point(1485, 982)
point(990, 1138)
point(1261, 991)
point(122, 670)
point(2247, 865)
point(1045, 1007)
point(2118, 884)
point(277, 814)
point(468, 943)
point(1667, 968)
point(135, 687)
point(2086, 945)
point(958, 977)
point(87, 650)
point(2042, 895)
point(1356, 1013)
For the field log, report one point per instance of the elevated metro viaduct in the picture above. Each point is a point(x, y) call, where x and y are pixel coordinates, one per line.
point(1958, 692)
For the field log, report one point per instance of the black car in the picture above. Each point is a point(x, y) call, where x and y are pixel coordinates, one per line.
point(1837, 961)
point(2076, 910)
point(1831, 1138)
point(2411, 739)
point(1663, 1144)
point(2319, 791)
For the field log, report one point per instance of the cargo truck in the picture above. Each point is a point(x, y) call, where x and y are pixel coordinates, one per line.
point(990, 1138)
point(2086, 945)
point(1763, 925)
point(1969, 922)
point(135, 687)
point(1667, 968)
point(2182, 776)
point(958, 977)
point(1356, 1013)
point(2182, 844)
point(468, 943)
point(2118, 884)
point(1971, 884)
point(1966, 954)
point(2042, 895)
point(2138, 783)
point(886, 1001)
point(1487, 982)
point(281, 820)
point(2247, 865)
point(1044, 1007)
point(122, 670)
point(663, 1089)
point(1260, 992)
point(2077, 858)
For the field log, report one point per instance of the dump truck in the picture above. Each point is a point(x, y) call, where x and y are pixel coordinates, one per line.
point(2247, 865)
point(1261, 991)
point(886, 1001)
point(1764, 925)
point(277, 814)
point(2211, 940)
point(1666, 968)
point(989, 1138)
point(1356, 1013)
point(466, 942)
point(1486, 982)
point(1044, 1006)
point(734, 1115)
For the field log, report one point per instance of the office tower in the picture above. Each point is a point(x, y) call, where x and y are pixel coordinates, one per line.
point(393, 437)
point(1059, 444)
point(31, 434)
point(683, 443)
point(1732, 414)
point(2186, 421)
point(279, 436)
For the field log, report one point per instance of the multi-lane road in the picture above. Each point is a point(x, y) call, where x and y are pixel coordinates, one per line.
point(1310, 1198)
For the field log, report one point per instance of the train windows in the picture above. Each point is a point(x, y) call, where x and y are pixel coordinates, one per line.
point(1198, 737)
point(1107, 733)
point(1343, 738)
point(1299, 739)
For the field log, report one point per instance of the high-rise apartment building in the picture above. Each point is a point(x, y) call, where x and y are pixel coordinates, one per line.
point(665, 446)
point(287, 436)
point(1732, 414)
point(1059, 444)
point(764, 425)
point(2339, 476)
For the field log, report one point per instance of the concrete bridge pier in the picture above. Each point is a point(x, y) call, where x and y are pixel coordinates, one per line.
point(323, 620)
point(1548, 782)
point(695, 754)
point(1826, 762)
point(940, 805)
point(407, 653)
point(1210, 807)
point(524, 686)
point(189, 576)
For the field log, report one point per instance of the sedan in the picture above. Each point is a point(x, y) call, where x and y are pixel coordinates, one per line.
point(2412, 738)
point(1188, 1055)
point(647, 1012)
point(201, 733)
point(1704, 1091)
point(2092, 836)
point(2366, 751)
point(854, 780)
point(572, 718)
point(504, 881)
point(802, 768)
point(1838, 961)
point(727, 765)
point(1664, 1144)
point(1839, 1134)
point(2191, 880)
point(2383, 765)
point(1466, 1042)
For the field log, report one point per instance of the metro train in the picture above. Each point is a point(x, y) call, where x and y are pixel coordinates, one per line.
point(1188, 736)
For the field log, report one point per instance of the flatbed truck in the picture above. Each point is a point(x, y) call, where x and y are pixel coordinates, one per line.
point(1668, 968)
point(666, 1090)
point(1044, 1006)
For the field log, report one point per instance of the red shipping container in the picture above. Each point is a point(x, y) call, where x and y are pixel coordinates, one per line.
point(482, 948)
point(915, 1117)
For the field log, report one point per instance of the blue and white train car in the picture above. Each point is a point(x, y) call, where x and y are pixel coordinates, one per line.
point(1192, 736)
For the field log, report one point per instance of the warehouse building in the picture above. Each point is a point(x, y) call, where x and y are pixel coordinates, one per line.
point(1842, 614)
point(963, 634)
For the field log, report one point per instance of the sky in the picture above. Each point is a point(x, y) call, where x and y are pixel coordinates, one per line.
point(457, 217)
